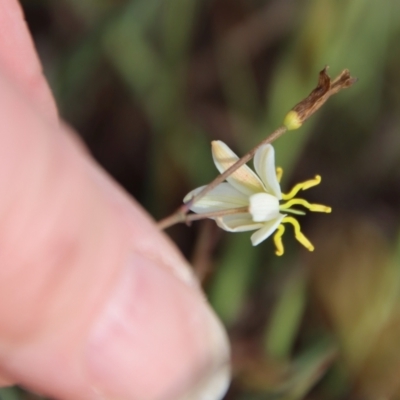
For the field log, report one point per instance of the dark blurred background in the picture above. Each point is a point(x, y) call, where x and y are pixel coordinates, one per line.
point(149, 83)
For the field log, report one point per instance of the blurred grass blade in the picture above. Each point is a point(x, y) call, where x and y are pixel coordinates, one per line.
point(286, 317)
point(308, 370)
point(232, 277)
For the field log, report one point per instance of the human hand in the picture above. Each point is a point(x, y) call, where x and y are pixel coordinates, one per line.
point(95, 303)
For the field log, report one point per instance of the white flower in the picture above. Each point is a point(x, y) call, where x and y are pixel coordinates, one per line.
point(250, 201)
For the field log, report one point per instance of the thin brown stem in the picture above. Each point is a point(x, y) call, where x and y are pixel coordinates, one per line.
point(172, 219)
point(180, 214)
point(216, 214)
point(176, 218)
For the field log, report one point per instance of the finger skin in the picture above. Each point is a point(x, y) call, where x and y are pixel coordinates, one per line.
point(19, 60)
point(94, 301)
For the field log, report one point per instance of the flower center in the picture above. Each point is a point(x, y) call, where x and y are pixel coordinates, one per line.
point(288, 201)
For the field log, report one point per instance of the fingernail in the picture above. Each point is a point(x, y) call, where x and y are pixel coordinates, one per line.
point(156, 338)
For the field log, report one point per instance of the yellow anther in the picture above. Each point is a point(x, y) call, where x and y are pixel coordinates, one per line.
point(312, 207)
point(278, 240)
point(320, 208)
point(298, 234)
point(279, 173)
point(302, 186)
point(312, 182)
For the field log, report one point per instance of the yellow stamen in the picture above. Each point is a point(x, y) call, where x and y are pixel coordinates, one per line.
point(286, 208)
point(278, 240)
point(298, 234)
point(306, 204)
point(302, 186)
point(279, 173)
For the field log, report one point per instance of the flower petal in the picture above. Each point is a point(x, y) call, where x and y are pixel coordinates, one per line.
point(222, 197)
point(237, 223)
point(268, 228)
point(263, 207)
point(264, 164)
point(243, 179)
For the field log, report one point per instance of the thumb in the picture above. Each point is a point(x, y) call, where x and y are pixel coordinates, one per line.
point(95, 303)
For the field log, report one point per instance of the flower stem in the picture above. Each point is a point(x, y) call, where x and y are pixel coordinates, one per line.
point(216, 214)
point(180, 214)
point(176, 218)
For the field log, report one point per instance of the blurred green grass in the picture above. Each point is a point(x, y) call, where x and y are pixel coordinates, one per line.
point(149, 83)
